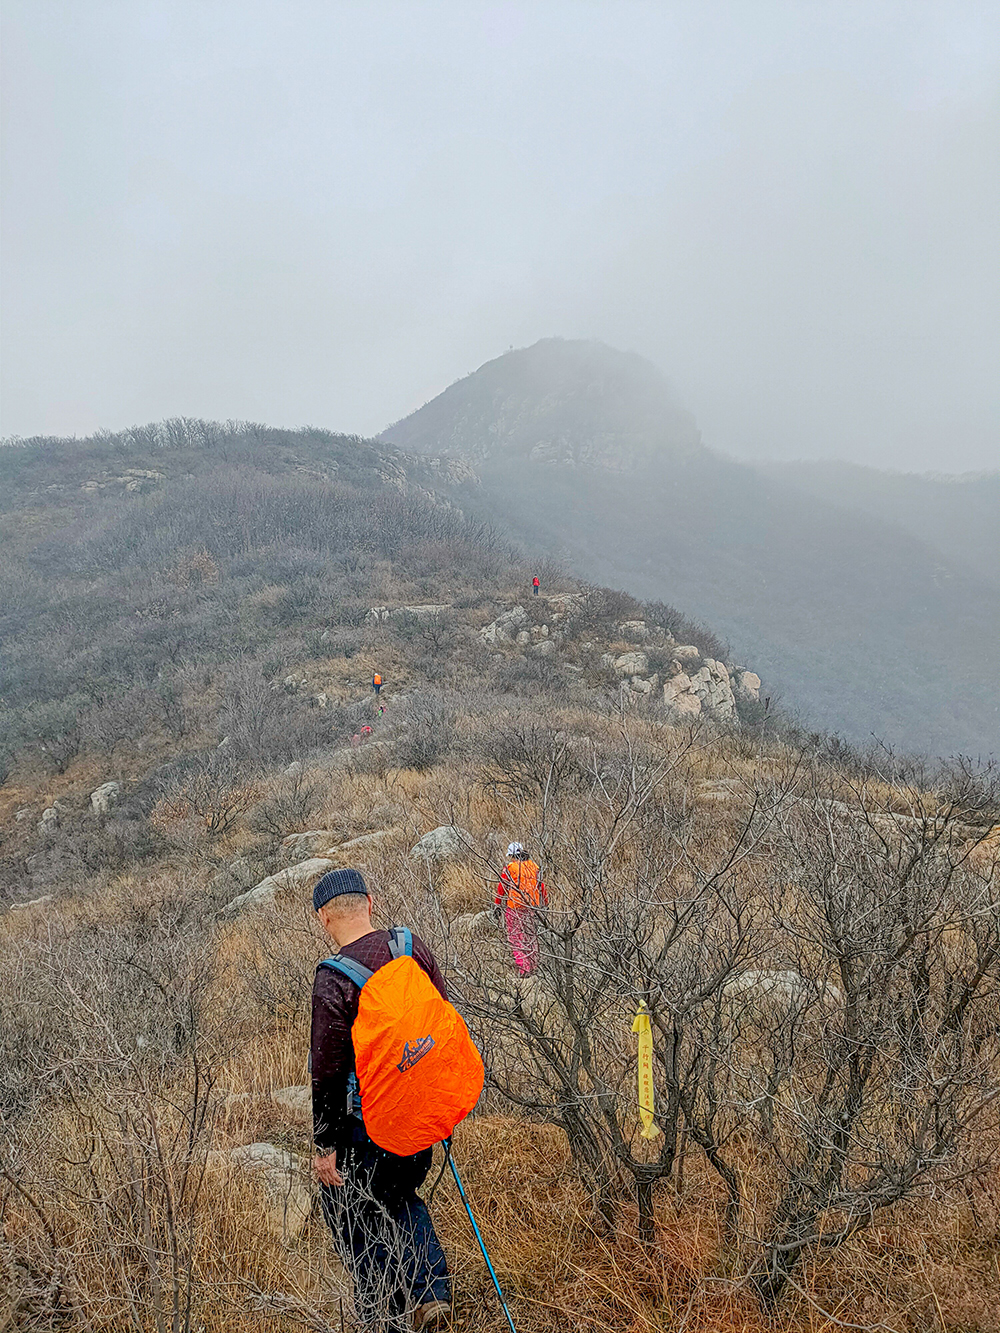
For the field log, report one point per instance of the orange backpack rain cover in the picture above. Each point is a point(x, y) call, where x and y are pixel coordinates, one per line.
point(418, 1070)
point(522, 884)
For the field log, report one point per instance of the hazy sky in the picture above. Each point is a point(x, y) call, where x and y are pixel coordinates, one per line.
point(315, 212)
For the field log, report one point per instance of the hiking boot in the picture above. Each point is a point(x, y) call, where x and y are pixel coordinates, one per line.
point(434, 1317)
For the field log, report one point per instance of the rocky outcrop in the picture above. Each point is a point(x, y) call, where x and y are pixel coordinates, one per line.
point(747, 685)
point(707, 692)
point(295, 877)
point(104, 797)
point(445, 843)
point(788, 990)
point(132, 479)
point(506, 627)
point(712, 686)
point(364, 842)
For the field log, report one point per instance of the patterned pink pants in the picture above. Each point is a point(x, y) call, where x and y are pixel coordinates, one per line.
point(522, 935)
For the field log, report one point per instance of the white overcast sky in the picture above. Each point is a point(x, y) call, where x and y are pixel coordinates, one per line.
point(316, 212)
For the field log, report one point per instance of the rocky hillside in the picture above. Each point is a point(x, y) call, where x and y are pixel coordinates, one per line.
point(190, 619)
point(860, 625)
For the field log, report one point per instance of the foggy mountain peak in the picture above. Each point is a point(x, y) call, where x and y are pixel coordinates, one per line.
point(562, 402)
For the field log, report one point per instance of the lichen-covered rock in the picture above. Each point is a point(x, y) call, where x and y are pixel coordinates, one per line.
point(686, 652)
point(104, 797)
point(544, 648)
point(444, 843)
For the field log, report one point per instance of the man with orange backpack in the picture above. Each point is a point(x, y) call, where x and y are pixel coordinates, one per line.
point(521, 893)
point(393, 1071)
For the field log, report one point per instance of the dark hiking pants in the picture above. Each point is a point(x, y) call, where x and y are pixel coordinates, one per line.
point(385, 1235)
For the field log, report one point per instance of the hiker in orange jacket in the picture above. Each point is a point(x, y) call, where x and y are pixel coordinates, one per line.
point(376, 683)
point(521, 893)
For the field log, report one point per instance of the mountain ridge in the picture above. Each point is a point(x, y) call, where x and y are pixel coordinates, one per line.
point(865, 627)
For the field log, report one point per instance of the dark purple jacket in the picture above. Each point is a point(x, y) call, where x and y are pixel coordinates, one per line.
point(334, 1009)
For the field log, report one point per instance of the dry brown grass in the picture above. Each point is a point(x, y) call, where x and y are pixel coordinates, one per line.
point(931, 1263)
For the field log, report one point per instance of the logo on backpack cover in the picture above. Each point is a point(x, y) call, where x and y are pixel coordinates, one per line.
point(412, 1054)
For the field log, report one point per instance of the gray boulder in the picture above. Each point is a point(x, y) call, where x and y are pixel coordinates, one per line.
point(49, 821)
point(312, 842)
point(295, 1103)
point(365, 841)
point(295, 877)
point(632, 664)
point(104, 797)
point(748, 685)
point(444, 843)
point(686, 652)
point(785, 990)
point(680, 698)
point(283, 1176)
point(636, 630)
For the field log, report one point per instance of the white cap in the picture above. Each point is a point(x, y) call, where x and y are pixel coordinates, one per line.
point(514, 848)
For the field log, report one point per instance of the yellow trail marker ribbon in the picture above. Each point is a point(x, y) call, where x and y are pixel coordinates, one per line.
point(646, 1094)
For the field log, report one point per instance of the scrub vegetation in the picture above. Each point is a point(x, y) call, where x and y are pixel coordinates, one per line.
point(813, 930)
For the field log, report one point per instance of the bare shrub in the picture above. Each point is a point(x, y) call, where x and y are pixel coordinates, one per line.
point(428, 731)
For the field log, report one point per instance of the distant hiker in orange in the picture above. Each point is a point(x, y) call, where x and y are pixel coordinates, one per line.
point(377, 684)
point(536, 583)
point(521, 892)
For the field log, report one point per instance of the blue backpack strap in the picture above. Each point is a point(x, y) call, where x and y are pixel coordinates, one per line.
point(400, 942)
point(356, 972)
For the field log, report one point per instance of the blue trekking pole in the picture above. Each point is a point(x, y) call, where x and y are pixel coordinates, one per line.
point(461, 1190)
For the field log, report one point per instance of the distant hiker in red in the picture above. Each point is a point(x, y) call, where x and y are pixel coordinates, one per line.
point(377, 684)
point(366, 730)
point(521, 892)
point(536, 583)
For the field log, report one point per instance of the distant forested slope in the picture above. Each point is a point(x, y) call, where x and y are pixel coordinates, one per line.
point(959, 515)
